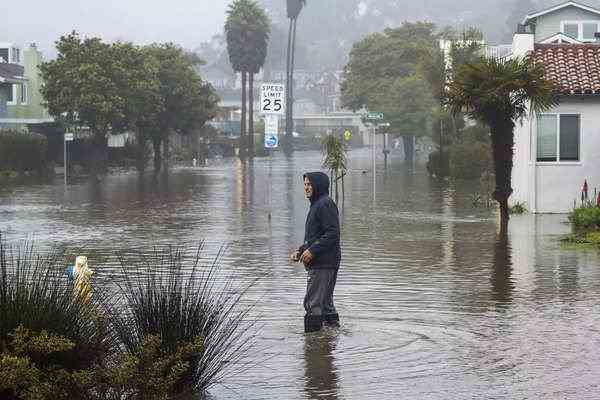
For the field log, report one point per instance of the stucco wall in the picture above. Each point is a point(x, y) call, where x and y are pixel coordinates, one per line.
point(4, 90)
point(549, 24)
point(552, 187)
point(33, 109)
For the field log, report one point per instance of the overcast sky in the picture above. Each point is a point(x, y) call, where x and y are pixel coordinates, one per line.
point(186, 22)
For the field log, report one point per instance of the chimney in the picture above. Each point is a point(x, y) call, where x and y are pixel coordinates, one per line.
point(523, 44)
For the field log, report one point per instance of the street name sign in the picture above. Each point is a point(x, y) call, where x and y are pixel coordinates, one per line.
point(272, 98)
point(68, 137)
point(374, 116)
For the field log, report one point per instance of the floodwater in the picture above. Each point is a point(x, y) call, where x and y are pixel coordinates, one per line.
point(432, 305)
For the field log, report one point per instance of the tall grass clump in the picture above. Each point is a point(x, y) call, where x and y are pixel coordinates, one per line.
point(172, 303)
point(49, 339)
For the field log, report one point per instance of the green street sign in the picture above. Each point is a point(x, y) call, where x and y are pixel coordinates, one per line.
point(375, 116)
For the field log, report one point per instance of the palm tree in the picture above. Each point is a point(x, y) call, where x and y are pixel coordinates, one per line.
point(500, 93)
point(258, 40)
point(247, 31)
point(293, 11)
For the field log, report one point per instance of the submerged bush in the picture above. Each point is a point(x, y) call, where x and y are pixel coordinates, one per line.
point(173, 297)
point(23, 152)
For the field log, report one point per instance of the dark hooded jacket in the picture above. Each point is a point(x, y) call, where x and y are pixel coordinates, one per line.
point(322, 229)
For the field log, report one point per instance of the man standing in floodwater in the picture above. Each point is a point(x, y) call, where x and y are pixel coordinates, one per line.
point(320, 253)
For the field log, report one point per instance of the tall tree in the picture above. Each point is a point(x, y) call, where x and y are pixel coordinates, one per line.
point(499, 94)
point(247, 32)
point(79, 90)
point(258, 39)
point(293, 12)
point(187, 102)
point(376, 75)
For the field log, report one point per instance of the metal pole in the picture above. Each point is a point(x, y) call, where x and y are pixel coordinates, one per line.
point(374, 155)
point(65, 156)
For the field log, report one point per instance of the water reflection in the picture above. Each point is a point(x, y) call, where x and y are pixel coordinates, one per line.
point(501, 278)
point(321, 376)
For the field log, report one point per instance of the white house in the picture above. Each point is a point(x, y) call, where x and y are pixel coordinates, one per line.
point(555, 152)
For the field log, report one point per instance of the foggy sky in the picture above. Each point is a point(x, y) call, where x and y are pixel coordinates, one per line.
point(185, 22)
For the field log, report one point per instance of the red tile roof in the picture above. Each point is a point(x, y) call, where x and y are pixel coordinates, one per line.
point(574, 68)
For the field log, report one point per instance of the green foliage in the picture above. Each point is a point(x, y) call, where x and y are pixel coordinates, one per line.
point(29, 369)
point(491, 90)
point(148, 372)
point(335, 159)
point(247, 30)
point(585, 217)
point(468, 160)
point(23, 152)
point(177, 299)
point(518, 208)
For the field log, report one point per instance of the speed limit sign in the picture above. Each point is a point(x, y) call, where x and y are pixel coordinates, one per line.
point(272, 98)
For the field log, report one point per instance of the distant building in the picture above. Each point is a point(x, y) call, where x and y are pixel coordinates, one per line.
point(11, 75)
point(24, 105)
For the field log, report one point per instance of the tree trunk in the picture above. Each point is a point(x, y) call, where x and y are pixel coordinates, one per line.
point(243, 122)
point(99, 154)
point(166, 150)
point(251, 114)
point(409, 148)
point(156, 142)
point(141, 157)
point(286, 139)
point(502, 148)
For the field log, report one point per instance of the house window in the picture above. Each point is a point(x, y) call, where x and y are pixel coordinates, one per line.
point(12, 96)
point(581, 30)
point(558, 137)
point(16, 55)
point(571, 30)
point(24, 94)
point(4, 55)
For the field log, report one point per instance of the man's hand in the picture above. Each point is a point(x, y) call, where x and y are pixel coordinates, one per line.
point(306, 257)
point(295, 256)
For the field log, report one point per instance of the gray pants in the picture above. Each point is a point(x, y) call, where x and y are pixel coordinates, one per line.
point(320, 284)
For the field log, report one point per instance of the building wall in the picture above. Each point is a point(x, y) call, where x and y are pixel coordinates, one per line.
point(4, 90)
point(552, 187)
point(33, 109)
point(549, 24)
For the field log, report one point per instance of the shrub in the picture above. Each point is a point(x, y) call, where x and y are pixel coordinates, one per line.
point(468, 160)
point(436, 166)
point(173, 297)
point(518, 208)
point(23, 152)
point(585, 217)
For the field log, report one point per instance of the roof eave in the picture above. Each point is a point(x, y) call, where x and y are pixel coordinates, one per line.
point(530, 17)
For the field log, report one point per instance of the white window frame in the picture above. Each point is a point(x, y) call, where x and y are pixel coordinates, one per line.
point(24, 98)
point(14, 96)
point(580, 28)
point(557, 160)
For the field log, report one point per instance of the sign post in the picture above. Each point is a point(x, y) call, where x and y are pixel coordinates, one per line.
point(68, 138)
point(374, 119)
point(272, 106)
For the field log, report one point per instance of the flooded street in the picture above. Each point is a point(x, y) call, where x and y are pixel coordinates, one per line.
point(432, 305)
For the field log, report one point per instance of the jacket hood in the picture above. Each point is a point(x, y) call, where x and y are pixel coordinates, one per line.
point(320, 184)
